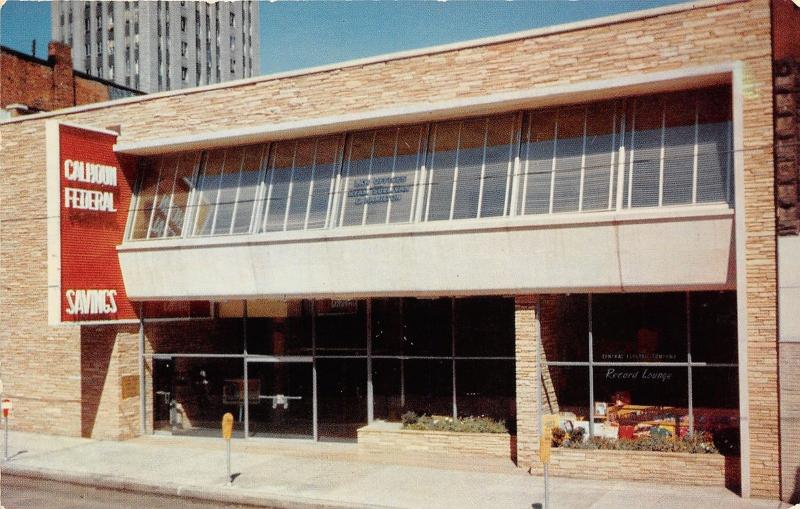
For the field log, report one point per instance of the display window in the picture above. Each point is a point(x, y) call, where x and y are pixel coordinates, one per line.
point(659, 365)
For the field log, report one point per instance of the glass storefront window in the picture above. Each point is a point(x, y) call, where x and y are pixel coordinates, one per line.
point(341, 328)
point(643, 382)
point(641, 401)
point(676, 149)
point(639, 327)
point(714, 327)
point(484, 327)
point(566, 328)
point(486, 388)
point(190, 395)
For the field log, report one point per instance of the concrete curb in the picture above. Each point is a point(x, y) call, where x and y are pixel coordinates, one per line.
point(220, 494)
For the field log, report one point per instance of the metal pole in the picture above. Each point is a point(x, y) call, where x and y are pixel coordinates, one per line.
point(546, 487)
point(245, 374)
point(370, 394)
point(228, 459)
point(539, 387)
point(591, 370)
point(314, 370)
point(690, 401)
point(142, 386)
point(5, 442)
point(453, 352)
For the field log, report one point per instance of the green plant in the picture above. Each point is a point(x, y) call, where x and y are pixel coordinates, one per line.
point(409, 418)
point(694, 443)
point(558, 437)
point(577, 435)
point(470, 424)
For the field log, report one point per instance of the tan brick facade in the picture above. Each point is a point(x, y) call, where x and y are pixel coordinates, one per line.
point(42, 367)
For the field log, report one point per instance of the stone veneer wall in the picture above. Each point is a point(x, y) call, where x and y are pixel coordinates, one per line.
point(42, 365)
point(381, 440)
point(660, 467)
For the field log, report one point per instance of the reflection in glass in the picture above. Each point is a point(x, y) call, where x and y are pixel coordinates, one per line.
point(642, 401)
point(191, 394)
point(342, 397)
point(484, 327)
point(486, 387)
point(716, 406)
point(646, 327)
point(281, 399)
point(714, 327)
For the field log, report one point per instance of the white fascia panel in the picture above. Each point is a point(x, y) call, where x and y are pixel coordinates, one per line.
point(607, 257)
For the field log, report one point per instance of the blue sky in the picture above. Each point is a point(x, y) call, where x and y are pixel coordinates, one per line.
point(304, 34)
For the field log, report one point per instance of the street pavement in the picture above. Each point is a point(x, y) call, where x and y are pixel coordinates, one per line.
point(300, 474)
point(26, 493)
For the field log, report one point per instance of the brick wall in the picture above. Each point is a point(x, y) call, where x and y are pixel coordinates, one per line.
point(46, 85)
point(733, 31)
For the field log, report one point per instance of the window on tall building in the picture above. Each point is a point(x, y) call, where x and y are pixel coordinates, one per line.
point(70, 15)
point(110, 8)
point(184, 72)
point(127, 28)
point(136, 80)
point(166, 27)
point(61, 19)
point(233, 20)
point(183, 23)
point(127, 81)
point(184, 48)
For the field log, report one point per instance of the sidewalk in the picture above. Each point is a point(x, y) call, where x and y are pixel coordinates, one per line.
point(291, 474)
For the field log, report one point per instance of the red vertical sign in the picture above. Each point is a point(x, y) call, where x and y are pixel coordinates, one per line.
point(96, 189)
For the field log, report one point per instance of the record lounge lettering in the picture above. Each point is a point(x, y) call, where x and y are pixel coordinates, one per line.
point(91, 302)
point(89, 173)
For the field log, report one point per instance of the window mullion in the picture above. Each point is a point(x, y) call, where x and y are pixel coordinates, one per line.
point(661, 155)
point(583, 159)
point(271, 169)
point(553, 163)
point(621, 157)
point(219, 191)
point(155, 198)
point(696, 148)
point(238, 192)
point(455, 171)
point(613, 160)
point(291, 188)
point(512, 172)
point(369, 178)
point(198, 195)
point(335, 190)
point(429, 191)
point(633, 138)
point(311, 184)
point(343, 190)
point(188, 216)
point(420, 190)
point(483, 167)
point(391, 178)
point(525, 172)
point(258, 205)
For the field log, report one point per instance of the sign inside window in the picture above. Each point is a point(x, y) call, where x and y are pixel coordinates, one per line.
point(378, 190)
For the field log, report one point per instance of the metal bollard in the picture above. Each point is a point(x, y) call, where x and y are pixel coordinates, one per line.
point(227, 432)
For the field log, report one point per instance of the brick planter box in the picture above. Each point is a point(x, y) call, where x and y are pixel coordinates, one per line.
point(389, 437)
point(666, 467)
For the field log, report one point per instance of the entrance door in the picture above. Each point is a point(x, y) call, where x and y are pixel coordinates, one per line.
point(163, 391)
point(281, 397)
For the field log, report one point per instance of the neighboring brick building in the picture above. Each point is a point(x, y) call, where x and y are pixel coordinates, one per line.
point(30, 84)
point(402, 233)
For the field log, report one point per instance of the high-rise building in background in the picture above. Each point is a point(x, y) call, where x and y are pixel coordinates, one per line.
point(160, 45)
